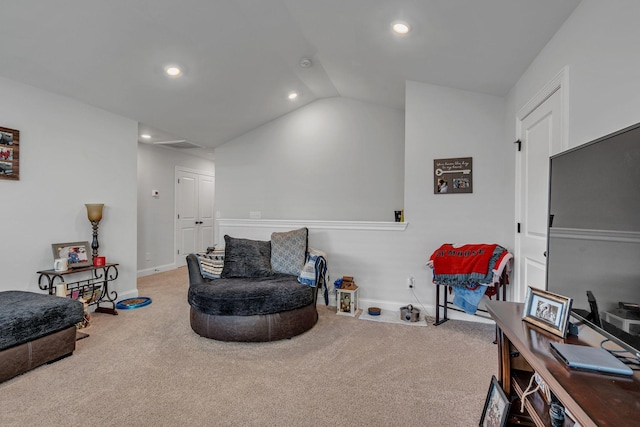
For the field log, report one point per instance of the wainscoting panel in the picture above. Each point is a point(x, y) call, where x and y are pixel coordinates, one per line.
point(354, 248)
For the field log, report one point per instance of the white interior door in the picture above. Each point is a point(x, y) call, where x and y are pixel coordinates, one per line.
point(194, 213)
point(540, 136)
point(206, 190)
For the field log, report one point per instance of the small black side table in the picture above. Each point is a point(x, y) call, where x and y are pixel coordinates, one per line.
point(95, 289)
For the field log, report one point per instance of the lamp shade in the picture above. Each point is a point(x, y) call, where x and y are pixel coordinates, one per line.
point(94, 211)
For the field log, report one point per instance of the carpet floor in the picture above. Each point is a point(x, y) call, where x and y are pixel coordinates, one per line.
point(146, 367)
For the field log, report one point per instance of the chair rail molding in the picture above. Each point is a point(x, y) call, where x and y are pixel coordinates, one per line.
point(592, 234)
point(312, 224)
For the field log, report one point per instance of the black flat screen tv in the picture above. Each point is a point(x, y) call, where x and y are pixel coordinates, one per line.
point(594, 233)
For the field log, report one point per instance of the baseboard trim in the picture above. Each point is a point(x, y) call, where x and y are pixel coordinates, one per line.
point(427, 309)
point(395, 306)
point(157, 269)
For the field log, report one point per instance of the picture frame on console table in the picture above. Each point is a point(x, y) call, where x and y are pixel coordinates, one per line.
point(547, 311)
point(496, 406)
point(77, 253)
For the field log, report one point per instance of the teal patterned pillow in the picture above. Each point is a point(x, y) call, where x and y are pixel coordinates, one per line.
point(288, 251)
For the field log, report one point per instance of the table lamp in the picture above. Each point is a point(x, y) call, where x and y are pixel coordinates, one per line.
point(94, 213)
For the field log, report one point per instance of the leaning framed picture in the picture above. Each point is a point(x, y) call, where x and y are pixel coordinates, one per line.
point(496, 407)
point(547, 310)
point(78, 254)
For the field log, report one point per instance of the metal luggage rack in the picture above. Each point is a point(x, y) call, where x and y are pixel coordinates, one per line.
point(448, 305)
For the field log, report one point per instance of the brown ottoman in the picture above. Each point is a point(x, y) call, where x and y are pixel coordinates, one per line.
point(35, 329)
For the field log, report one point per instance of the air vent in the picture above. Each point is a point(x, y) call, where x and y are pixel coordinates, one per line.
point(179, 144)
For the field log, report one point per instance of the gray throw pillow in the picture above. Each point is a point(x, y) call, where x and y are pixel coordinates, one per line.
point(288, 251)
point(246, 258)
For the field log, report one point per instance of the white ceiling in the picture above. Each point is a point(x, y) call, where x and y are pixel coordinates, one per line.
point(241, 57)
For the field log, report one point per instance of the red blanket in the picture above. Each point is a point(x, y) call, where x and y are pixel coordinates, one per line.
point(465, 259)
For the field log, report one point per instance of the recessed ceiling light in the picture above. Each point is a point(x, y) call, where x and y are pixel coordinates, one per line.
point(400, 27)
point(145, 136)
point(293, 95)
point(173, 71)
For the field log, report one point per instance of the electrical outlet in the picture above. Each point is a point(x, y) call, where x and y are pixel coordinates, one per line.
point(410, 282)
point(255, 215)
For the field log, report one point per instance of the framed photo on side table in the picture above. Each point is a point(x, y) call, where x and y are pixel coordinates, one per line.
point(78, 254)
point(547, 310)
point(496, 407)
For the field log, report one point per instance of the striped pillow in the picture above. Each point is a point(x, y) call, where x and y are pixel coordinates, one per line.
point(211, 263)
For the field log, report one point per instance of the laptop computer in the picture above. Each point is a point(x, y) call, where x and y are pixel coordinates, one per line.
point(589, 358)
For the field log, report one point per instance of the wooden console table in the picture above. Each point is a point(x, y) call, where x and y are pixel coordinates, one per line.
point(97, 285)
point(592, 398)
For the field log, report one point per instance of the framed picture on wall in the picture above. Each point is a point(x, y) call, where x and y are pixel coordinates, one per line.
point(451, 176)
point(9, 154)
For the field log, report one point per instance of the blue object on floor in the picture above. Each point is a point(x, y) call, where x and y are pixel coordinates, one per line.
point(131, 303)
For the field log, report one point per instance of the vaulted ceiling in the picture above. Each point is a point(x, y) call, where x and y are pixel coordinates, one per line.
point(241, 58)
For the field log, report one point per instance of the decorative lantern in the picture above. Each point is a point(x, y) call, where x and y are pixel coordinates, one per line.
point(347, 301)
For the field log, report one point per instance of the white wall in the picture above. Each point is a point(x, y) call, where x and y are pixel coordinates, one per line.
point(445, 123)
point(599, 44)
point(334, 159)
point(440, 123)
point(70, 154)
point(156, 216)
